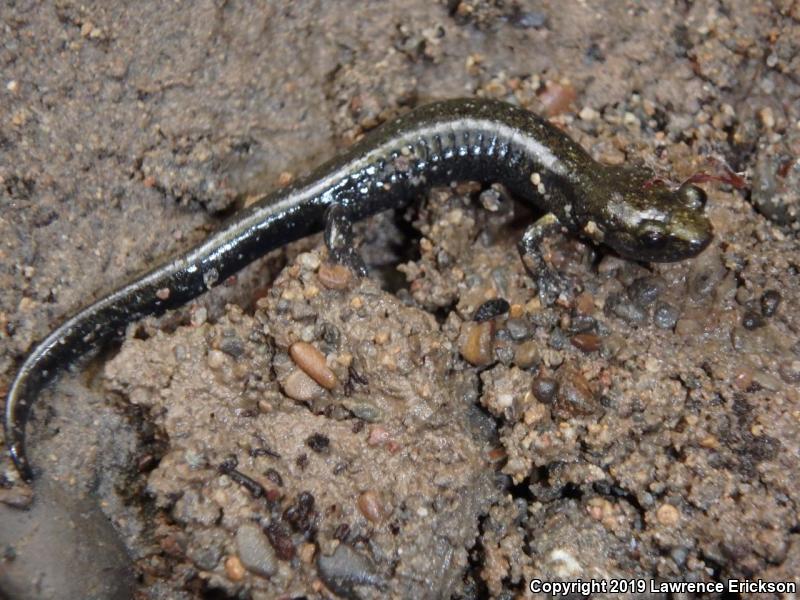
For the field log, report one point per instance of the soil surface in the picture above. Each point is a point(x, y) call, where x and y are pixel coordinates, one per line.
point(301, 432)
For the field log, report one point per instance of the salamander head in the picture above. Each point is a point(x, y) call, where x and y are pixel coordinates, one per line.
point(643, 219)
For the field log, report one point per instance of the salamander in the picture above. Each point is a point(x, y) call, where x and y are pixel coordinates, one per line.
point(622, 207)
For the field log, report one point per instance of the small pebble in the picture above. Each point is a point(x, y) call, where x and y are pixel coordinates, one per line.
point(679, 555)
point(216, 359)
point(365, 411)
point(307, 552)
point(645, 290)
point(378, 435)
point(558, 340)
point(588, 114)
point(556, 98)
point(770, 301)
point(234, 569)
point(312, 361)
point(504, 353)
point(502, 335)
point(478, 346)
point(274, 477)
point(580, 323)
point(575, 396)
point(490, 199)
point(233, 347)
point(491, 309)
point(334, 276)
point(255, 552)
point(281, 540)
point(752, 320)
point(767, 117)
point(665, 316)
point(626, 310)
point(526, 355)
point(345, 569)
point(205, 549)
point(318, 442)
point(706, 274)
point(668, 515)
point(370, 506)
point(544, 389)
point(518, 329)
point(587, 342)
point(301, 387)
point(610, 264)
point(308, 260)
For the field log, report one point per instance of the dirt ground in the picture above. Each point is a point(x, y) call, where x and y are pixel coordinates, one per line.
point(645, 425)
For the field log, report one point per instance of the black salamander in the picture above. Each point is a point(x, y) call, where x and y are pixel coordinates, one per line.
point(622, 207)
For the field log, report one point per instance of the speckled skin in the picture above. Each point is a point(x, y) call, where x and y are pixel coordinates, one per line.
point(442, 142)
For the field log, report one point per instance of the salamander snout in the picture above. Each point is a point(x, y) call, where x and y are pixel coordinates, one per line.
point(656, 223)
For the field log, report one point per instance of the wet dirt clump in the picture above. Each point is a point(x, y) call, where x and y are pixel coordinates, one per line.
point(326, 441)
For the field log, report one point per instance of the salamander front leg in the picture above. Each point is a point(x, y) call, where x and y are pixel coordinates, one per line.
point(339, 239)
point(549, 281)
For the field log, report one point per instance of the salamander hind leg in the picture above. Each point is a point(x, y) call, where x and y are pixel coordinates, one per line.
point(339, 239)
point(549, 282)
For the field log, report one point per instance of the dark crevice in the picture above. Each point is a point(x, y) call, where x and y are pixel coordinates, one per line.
point(522, 490)
point(443, 312)
point(390, 240)
point(474, 585)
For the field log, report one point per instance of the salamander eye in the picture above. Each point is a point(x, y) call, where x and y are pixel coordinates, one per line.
point(653, 238)
point(692, 196)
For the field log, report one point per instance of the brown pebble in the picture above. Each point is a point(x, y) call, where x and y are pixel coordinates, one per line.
point(668, 515)
point(588, 342)
point(575, 396)
point(497, 454)
point(526, 355)
point(334, 276)
point(556, 98)
point(477, 347)
point(300, 386)
point(307, 553)
point(281, 540)
point(234, 568)
point(312, 361)
point(584, 304)
point(163, 293)
point(370, 506)
point(378, 435)
point(544, 389)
